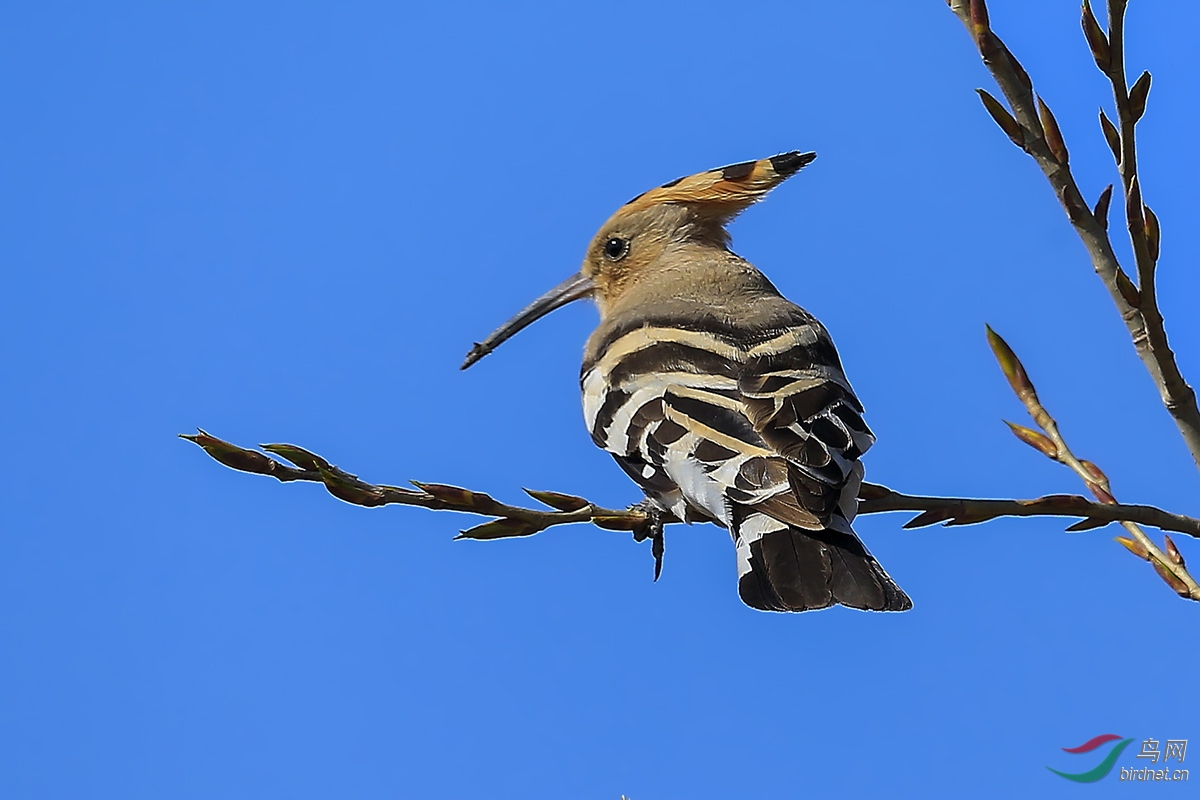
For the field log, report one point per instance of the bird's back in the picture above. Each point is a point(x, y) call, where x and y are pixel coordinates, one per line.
point(727, 403)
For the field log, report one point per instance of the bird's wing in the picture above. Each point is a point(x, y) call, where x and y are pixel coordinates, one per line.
point(666, 402)
point(760, 438)
point(800, 403)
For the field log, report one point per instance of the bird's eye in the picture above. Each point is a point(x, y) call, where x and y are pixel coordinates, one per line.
point(616, 248)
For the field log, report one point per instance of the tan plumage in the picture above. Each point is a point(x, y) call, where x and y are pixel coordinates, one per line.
point(723, 400)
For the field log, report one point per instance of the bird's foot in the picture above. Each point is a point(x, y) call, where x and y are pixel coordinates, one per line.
point(656, 518)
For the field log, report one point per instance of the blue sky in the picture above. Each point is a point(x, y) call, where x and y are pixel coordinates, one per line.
point(288, 223)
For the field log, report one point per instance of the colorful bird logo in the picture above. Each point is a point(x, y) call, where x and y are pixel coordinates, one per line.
point(1104, 767)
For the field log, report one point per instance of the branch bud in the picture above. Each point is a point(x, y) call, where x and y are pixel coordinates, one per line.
point(1100, 212)
point(1096, 39)
point(1038, 441)
point(1017, 69)
point(1003, 118)
point(1128, 290)
point(931, 517)
point(1054, 138)
point(1133, 546)
point(1175, 583)
point(297, 455)
point(1137, 96)
point(350, 489)
point(454, 496)
point(1133, 205)
point(499, 529)
point(1011, 366)
point(1094, 471)
point(1111, 136)
point(1172, 551)
point(231, 455)
point(458, 499)
point(1153, 234)
point(1087, 525)
point(556, 500)
point(979, 19)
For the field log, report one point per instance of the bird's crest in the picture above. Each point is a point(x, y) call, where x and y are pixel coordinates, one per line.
point(724, 192)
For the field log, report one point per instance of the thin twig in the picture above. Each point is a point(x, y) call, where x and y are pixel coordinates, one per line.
point(1170, 567)
point(439, 497)
point(1028, 129)
point(1177, 395)
point(873, 499)
point(641, 520)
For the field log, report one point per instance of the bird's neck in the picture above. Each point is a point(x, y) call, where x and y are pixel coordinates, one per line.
point(705, 289)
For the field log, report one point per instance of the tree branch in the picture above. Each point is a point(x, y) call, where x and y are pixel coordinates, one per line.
point(875, 499)
point(641, 520)
point(439, 497)
point(1033, 128)
point(1169, 564)
point(1144, 232)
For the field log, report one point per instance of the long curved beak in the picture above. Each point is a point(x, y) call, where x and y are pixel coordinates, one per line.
point(573, 288)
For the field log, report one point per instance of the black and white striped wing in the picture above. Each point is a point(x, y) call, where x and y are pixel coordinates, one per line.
point(799, 401)
point(760, 439)
point(665, 402)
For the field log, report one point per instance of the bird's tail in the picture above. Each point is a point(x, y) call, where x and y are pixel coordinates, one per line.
point(783, 567)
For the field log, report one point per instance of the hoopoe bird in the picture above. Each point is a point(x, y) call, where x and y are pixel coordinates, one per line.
point(723, 400)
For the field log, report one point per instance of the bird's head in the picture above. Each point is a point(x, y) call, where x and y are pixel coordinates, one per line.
point(634, 245)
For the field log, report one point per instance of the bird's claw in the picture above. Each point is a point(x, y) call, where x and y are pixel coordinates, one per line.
point(656, 518)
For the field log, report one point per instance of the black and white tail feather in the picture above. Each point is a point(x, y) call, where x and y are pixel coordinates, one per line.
point(756, 431)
